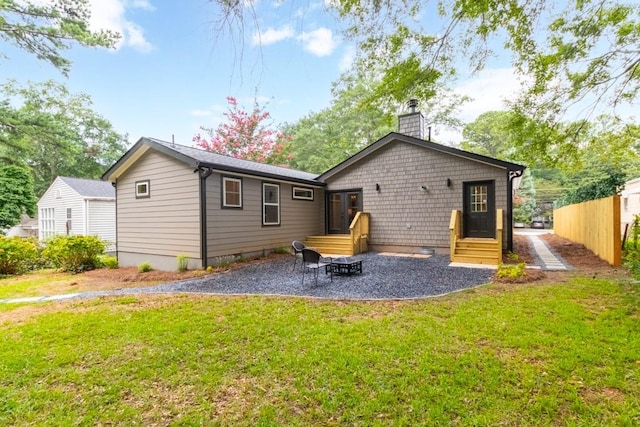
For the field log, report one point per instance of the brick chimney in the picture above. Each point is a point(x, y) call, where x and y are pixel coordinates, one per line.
point(412, 123)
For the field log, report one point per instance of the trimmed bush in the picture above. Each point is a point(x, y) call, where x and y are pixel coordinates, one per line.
point(110, 262)
point(183, 262)
point(144, 267)
point(74, 254)
point(18, 255)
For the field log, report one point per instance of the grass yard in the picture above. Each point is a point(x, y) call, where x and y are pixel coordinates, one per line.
point(537, 354)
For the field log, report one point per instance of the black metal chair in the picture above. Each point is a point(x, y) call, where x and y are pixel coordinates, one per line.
point(313, 260)
point(297, 247)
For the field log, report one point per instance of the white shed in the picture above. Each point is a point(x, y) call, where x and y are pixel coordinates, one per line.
point(630, 200)
point(78, 206)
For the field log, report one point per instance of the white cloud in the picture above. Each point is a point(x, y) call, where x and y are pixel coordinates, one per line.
point(348, 56)
point(320, 42)
point(142, 4)
point(110, 15)
point(488, 90)
point(271, 35)
point(200, 113)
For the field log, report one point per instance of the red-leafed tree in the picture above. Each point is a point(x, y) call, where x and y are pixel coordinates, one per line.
point(245, 135)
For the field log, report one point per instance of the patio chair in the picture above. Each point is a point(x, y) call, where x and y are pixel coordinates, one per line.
point(313, 260)
point(297, 247)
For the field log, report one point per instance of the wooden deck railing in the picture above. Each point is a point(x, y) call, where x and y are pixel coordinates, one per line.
point(454, 231)
point(499, 228)
point(359, 233)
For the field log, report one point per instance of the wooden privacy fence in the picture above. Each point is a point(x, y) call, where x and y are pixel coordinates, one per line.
point(595, 224)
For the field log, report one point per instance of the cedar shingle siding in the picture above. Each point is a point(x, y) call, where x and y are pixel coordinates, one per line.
point(402, 214)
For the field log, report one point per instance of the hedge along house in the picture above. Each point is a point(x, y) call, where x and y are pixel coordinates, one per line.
point(76, 206)
point(421, 195)
point(177, 200)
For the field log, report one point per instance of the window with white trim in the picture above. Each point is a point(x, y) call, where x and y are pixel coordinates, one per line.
point(231, 192)
point(143, 189)
point(47, 222)
point(270, 204)
point(302, 193)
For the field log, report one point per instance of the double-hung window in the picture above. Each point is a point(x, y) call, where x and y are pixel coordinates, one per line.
point(270, 204)
point(231, 192)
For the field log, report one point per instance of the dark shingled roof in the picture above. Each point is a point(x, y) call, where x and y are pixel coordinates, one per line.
point(221, 161)
point(90, 188)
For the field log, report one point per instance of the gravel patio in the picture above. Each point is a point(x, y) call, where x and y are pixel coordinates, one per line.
point(383, 277)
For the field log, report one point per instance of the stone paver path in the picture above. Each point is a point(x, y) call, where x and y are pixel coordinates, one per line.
point(547, 259)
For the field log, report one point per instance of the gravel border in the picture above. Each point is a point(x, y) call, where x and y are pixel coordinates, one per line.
point(383, 278)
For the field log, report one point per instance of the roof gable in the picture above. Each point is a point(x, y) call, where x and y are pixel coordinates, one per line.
point(397, 137)
point(197, 158)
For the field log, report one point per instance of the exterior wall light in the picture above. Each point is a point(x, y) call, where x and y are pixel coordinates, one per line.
point(448, 182)
point(424, 188)
point(378, 188)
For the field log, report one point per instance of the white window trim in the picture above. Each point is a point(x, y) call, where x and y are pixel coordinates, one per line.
point(47, 222)
point(265, 204)
point(143, 194)
point(224, 192)
point(298, 197)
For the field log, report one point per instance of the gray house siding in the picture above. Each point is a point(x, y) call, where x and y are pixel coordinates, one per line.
point(167, 223)
point(232, 231)
point(403, 216)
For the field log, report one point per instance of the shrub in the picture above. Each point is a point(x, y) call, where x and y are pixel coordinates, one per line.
point(74, 254)
point(631, 258)
point(109, 261)
point(144, 267)
point(511, 271)
point(183, 262)
point(18, 255)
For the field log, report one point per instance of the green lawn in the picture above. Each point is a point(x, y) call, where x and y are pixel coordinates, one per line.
point(552, 354)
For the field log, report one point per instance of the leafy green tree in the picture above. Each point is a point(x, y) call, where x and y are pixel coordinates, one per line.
point(576, 52)
point(16, 195)
point(321, 140)
point(56, 133)
point(490, 135)
point(45, 28)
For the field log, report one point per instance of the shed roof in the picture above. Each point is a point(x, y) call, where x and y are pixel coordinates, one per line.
point(196, 157)
point(90, 188)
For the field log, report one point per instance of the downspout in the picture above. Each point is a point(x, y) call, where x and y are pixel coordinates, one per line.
point(511, 174)
point(204, 174)
point(115, 187)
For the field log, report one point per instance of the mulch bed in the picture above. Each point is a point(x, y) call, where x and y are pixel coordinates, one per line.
point(583, 260)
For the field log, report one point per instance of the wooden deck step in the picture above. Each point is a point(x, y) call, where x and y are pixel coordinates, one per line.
point(477, 251)
point(334, 244)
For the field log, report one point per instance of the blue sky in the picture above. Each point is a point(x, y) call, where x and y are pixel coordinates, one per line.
point(169, 75)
